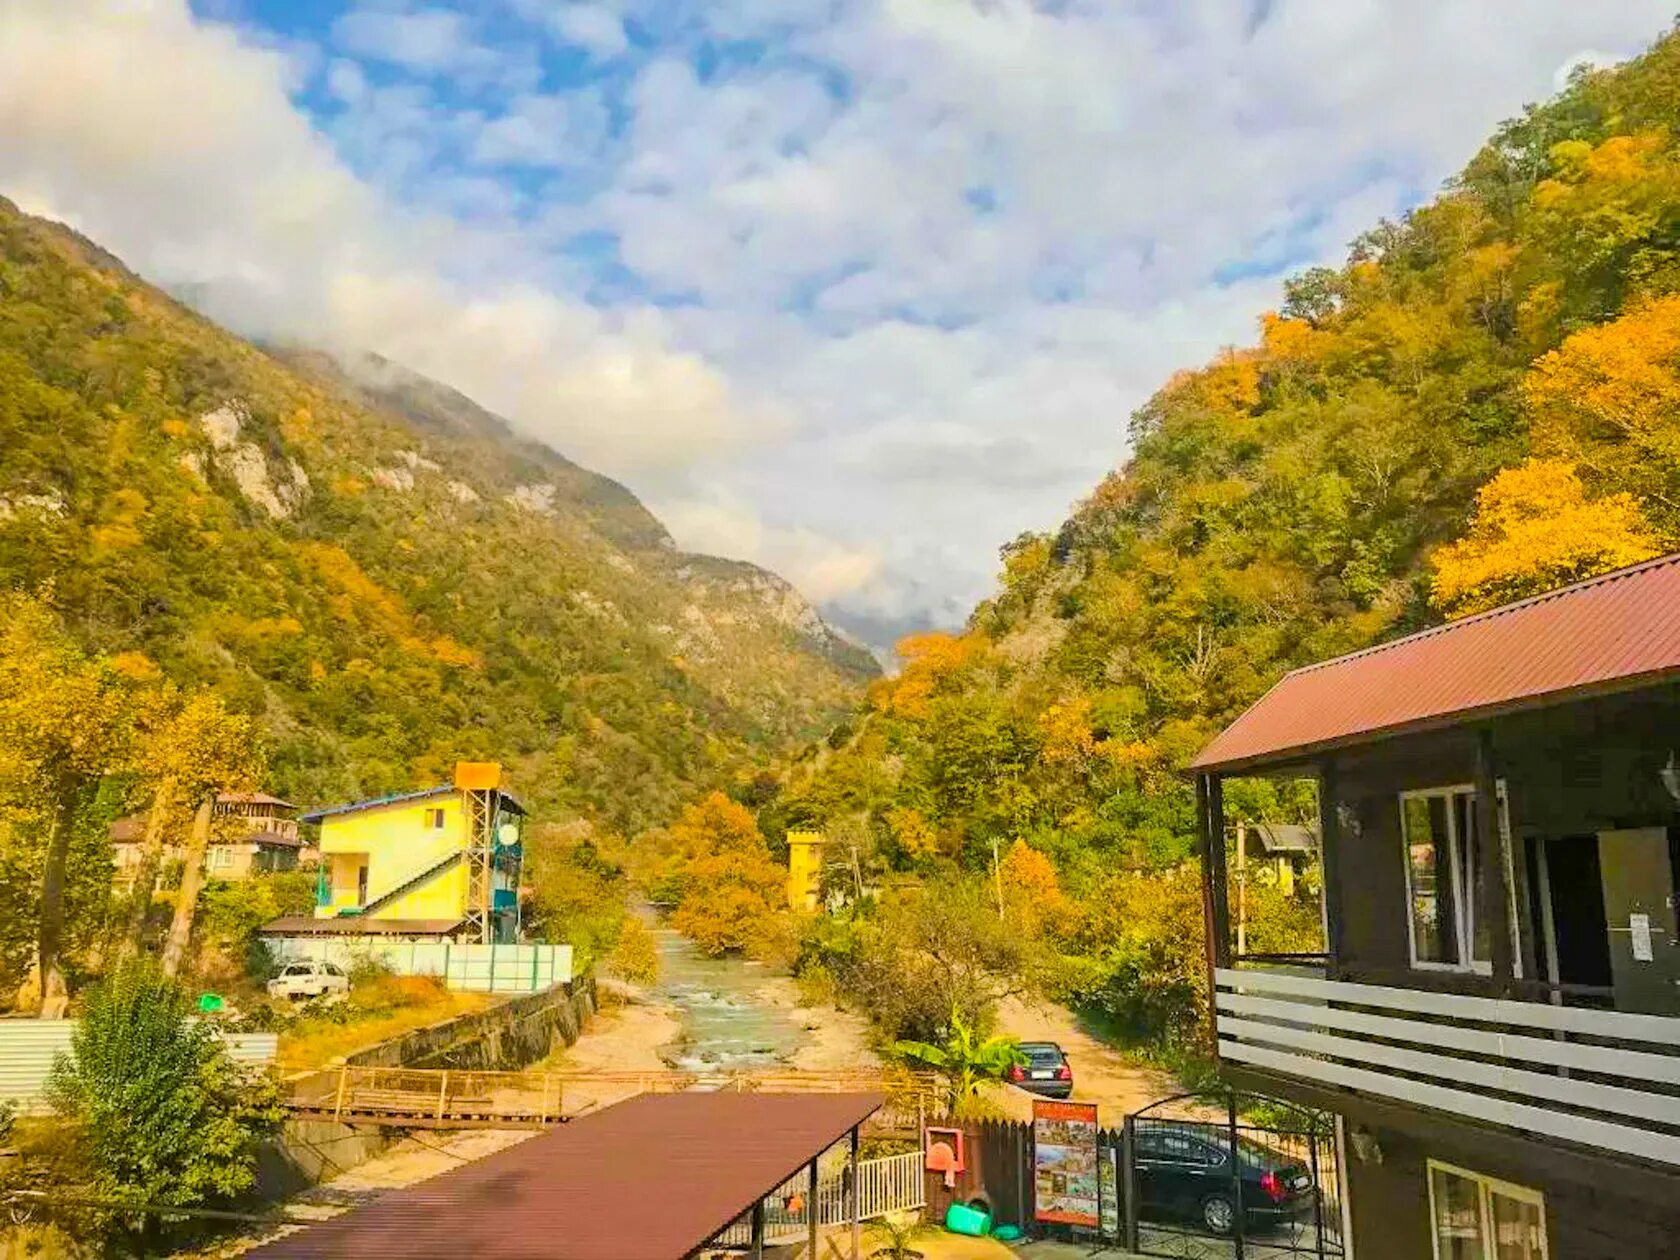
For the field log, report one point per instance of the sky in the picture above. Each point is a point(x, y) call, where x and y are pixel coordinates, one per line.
point(857, 289)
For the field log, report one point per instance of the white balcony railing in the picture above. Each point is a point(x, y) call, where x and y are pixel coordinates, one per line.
point(1603, 1079)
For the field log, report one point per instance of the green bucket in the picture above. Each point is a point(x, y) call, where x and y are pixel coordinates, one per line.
point(962, 1219)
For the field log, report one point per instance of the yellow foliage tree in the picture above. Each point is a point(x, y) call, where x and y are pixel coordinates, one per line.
point(66, 722)
point(733, 892)
point(1032, 895)
point(916, 837)
point(1608, 399)
point(189, 749)
point(1066, 732)
point(1536, 529)
point(929, 660)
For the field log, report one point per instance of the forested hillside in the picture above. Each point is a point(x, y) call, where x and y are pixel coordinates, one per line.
point(1483, 402)
point(375, 568)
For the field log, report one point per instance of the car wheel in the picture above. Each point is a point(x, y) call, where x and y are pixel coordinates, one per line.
point(1218, 1215)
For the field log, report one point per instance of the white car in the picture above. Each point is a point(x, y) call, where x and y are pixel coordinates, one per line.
point(308, 980)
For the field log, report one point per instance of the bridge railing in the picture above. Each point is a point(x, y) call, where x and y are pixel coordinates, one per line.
point(434, 1096)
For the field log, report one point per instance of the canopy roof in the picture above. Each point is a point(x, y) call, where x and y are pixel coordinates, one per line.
point(649, 1179)
point(1610, 633)
point(357, 925)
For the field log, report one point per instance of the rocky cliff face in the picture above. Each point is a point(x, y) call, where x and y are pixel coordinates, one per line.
point(380, 569)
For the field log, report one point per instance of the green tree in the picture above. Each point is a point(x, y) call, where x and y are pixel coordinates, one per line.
point(159, 1114)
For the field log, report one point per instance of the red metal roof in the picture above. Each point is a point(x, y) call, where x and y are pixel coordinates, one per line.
point(1607, 633)
point(649, 1179)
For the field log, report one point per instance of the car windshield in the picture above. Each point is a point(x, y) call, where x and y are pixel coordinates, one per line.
point(1042, 1056)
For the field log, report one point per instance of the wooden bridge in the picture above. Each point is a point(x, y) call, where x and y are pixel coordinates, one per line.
point(450, 1098)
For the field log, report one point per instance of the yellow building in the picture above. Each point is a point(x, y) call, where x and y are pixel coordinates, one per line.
point(805, 864)
point(442, 863)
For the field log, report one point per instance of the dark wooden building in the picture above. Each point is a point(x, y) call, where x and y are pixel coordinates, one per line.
point(1496, 1020)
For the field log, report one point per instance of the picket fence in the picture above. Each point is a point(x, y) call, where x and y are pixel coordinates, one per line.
point(886, 1186)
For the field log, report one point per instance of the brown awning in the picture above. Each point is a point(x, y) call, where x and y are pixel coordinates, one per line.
point(357, 925)
point(653, 1178)
point(1609, 633)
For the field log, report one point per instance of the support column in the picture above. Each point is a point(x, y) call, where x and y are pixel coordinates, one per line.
point(1220, 945)
point(857, 1224)
point(1330, 862)
point(1495, 907)
point(1213, 921)
point(756, 1246)
point(813, 1215)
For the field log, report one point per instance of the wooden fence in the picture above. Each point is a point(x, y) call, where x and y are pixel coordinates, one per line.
point(447, 1097)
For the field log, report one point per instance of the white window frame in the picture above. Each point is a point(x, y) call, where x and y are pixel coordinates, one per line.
point(1486, 1188)
point(1465, 910)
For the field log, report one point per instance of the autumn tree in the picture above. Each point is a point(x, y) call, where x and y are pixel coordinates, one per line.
point(1608, 401)
point(1032, 894)
point(732, 891)
point(1535, 529)
point(189, 750)
point(65, 724)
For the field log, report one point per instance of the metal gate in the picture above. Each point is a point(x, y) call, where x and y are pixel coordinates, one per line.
point(1229, 1176)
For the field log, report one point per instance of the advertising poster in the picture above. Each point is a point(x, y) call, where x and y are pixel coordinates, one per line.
point(1066, 1184)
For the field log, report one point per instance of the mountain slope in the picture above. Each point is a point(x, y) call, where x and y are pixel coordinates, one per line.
point(374, 565)
point(1291, 500)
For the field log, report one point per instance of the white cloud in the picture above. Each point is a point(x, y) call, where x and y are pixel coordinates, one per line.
point(929, 256)
point(590, 26)
point(543, 131)
point(102, 122)
point(429, 39)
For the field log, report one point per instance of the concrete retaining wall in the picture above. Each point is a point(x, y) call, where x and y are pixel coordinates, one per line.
point(510, 1035)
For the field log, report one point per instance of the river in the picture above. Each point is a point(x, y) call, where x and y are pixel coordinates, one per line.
point(725, 1022)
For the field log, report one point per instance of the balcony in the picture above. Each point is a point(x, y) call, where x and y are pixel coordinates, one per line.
point(1602, 1079)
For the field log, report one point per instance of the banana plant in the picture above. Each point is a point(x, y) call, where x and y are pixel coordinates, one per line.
point(966, 1059)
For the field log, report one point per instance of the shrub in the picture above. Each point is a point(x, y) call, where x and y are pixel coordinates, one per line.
point(636, 956)
point(158, 1112)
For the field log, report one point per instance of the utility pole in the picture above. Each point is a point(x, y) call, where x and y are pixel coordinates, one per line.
point(1242, 888)
point(997, 877)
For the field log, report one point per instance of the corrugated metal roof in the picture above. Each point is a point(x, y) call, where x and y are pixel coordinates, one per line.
point(396, 798)
point(509, 802)
point(1606, 633)
point(251, 798)
point(649, 1179)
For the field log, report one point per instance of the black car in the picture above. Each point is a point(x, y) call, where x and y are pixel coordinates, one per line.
point(1046, 1071)
point(1184, 1172)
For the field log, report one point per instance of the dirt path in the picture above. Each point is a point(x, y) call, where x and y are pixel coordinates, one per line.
point(1101, 1074)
